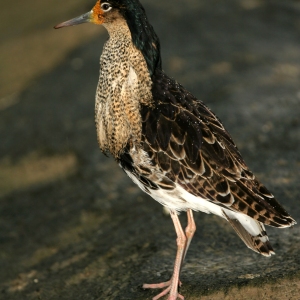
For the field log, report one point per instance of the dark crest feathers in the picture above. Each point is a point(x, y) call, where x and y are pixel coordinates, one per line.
point(142, 32)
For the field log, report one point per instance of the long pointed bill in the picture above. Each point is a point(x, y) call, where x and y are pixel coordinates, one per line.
point(85, 18)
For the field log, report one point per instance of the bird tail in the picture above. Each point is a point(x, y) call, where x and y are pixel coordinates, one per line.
point(252, 232)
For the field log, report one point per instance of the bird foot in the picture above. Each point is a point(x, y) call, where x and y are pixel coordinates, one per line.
point(168, 286)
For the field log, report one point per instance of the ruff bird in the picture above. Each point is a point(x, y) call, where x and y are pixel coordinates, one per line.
point(170, 143)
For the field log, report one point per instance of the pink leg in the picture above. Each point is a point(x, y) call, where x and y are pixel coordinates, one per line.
point(189, 230)
point(183, 242)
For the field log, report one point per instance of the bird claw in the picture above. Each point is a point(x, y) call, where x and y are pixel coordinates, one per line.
point(168, 285)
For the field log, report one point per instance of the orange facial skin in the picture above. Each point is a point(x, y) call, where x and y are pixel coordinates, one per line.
point(97, 14)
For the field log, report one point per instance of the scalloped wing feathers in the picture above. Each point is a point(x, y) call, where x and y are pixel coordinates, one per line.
point(190, 147)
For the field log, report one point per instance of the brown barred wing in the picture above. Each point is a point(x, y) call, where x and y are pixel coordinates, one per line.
point(191, 147)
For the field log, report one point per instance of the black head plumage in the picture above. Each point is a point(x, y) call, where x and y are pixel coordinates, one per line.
point(142, 32)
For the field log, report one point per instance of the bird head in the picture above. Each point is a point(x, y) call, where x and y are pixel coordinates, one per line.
point(99, 14)
point(142, 33)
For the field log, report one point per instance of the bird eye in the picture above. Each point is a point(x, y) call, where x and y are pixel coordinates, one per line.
point(106, 6)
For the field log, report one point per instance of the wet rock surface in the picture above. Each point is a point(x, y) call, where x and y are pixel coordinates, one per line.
point(73, 226)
